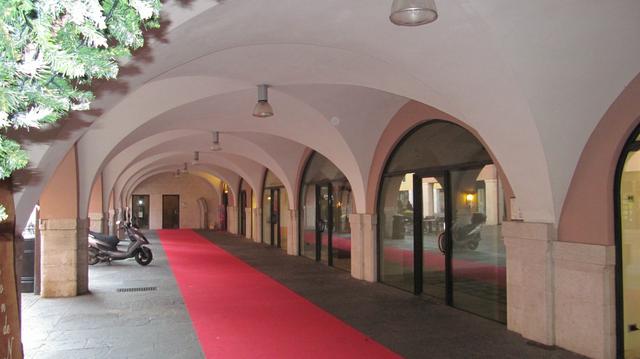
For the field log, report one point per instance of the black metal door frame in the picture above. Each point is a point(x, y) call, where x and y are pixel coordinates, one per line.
point(631, 145)
point(328, 226)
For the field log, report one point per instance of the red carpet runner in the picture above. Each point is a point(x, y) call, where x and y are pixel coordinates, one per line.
point(239, 312)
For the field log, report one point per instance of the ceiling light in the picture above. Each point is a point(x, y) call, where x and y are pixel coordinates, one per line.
point(263, 108)
point(177, 173)
point(413, 12)
point(215, 143)
point(186, 169)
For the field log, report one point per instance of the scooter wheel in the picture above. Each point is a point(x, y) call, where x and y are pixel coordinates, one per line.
point(144, 256)
point(93, 256)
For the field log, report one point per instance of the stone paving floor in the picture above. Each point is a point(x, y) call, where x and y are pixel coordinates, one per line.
point(108, 324)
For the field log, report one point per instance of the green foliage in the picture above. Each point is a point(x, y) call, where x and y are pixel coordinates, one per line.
point(50, 50)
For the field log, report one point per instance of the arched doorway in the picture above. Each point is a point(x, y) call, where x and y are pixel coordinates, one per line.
point(326, 202)
point(627, 227)
point(440, 210)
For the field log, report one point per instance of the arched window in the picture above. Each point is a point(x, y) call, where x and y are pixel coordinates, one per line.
point(627, 209)
point(440, 208)
point(326, 202)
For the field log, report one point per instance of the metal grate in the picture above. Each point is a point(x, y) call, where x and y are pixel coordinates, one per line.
point(137, 289)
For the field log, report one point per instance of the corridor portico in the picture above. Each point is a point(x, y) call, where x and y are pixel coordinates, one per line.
point(500, 217)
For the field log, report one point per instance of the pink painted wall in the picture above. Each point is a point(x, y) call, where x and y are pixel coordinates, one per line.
point(407, 118)
point(95, 202)
point(189, 187)
point(587, 213)
point(60, 196)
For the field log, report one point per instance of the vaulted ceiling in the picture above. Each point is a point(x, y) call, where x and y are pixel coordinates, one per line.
point(533, 78)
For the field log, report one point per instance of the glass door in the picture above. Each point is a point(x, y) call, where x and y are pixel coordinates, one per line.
point(431, 191)
point(324, 223)
point(308, 247)
point(275, 217)
point(478, 259)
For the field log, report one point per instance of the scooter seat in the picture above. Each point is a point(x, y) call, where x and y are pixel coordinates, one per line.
point(111, 240)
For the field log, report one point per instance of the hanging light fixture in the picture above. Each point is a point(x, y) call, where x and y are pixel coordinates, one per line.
point(413, 12)
point(196, 158)
point(186, 169)
point(263, 108)
point(215, 143)
point(177, 173)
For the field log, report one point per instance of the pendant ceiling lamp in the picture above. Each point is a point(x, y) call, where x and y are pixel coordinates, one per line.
point(263, 108)
point(215, 143)
point(186, 169)
point(413, 12)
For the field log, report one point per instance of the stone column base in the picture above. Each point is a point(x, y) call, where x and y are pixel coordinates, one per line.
point(370, 247)
point(357, 253)
point(292, 240)
point(96, 222)
point(585, 298)
point(64, 268)
point(530, 280)
point(257, 225)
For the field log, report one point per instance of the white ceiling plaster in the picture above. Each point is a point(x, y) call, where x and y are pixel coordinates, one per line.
point(532, 77)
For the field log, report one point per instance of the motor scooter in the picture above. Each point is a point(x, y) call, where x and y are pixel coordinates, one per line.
point(466, 236)
point(103, 251)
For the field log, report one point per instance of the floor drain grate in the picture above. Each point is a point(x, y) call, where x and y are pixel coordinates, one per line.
point(137, 289)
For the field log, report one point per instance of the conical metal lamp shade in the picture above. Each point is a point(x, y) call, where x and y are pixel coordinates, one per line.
point(413, 12)
point(263, 108)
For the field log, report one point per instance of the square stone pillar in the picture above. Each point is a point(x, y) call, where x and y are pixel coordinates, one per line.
point(111, 222)
point(357, 244)
point(257, 225)
point(64, 268)
point(292, 241)
point(585, 298)
point(247, 225)
point(370, 247)
point(96, 222)
point(232, 220)
point(530, 279)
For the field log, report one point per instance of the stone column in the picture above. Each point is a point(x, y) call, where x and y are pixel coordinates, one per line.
point(585, 298)
point(293, 240)
point(232, 220)
point(491, 195)
point(111, 222)
point(96, 221)
point(63, 257)
point(530, 303)
point(257, 225)
point(357, 239)
point(248, 230)
point(370, 247)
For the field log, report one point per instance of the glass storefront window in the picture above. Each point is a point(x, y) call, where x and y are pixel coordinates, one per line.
point(326, 202)
point(630, 247)
point(396, 231)
point(441, 176)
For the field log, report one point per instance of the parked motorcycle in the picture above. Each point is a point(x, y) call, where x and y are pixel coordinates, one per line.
point(466, 236)
point(101, 248)
point(111, 241)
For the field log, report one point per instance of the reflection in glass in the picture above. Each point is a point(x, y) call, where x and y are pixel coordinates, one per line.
point(433, 237)
point(308, 248)
point(266, 217)
point(284, 218)
point(341, 236)
point(478, 253)
point(396, 231)
point(326, 205)
point(630, 228)
point(323, 224)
